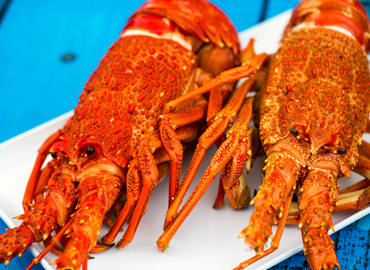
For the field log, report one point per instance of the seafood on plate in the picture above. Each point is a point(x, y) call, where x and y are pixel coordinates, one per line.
point(312, 106)
point(119, 143)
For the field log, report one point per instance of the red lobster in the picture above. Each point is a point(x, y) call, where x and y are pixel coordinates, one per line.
point(119, 140)
point(312, 111)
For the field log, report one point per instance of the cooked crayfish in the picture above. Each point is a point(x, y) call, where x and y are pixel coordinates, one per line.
point(118, 139)
point(312, 111)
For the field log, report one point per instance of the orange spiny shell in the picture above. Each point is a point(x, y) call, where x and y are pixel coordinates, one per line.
point(319, 81)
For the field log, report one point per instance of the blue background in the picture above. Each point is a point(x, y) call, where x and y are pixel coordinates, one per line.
point(36, 85)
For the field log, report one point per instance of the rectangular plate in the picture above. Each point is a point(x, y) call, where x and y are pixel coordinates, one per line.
point(208, 238)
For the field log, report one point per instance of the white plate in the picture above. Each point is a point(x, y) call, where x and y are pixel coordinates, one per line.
point(207, 239)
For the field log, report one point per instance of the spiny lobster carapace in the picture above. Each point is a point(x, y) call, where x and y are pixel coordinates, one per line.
point(312, 111)
point(118, 140)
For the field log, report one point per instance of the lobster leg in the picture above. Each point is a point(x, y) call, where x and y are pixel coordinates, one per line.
point(134, 180)
point(213, 85)
point(234, 181)
point(236, 143)
point(363, 164)
point(355, 187)
point(116, 207)
point(149, 174)
point(44, 178)
point(210, 136)
point(32, 182)
point(219, 201)
point(246, 70)
point(275, 242)
point(172, 143)
point(133, 191)
point(183, 117)
point(216, 95)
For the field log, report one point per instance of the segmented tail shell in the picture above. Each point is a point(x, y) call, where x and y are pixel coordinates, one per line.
point(211, 24)
point(348, 14)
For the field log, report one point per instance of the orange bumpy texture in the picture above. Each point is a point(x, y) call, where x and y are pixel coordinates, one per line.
point(318, 82)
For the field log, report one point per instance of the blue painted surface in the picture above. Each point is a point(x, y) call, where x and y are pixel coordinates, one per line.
point(276, 7)
point(36, 85)
point(351, 249)
point(363, 223)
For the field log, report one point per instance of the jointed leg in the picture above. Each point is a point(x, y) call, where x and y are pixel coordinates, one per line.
point(185, 116)
point(219, 201)
point(149, 175)
point(46, 174)
point(238, 142)
point(32, 182)
point(363, 164)
point(134, 179)
point(171, 142)
point(276, 241)
point(222, 121)
point(246, 70)
point(134, 185)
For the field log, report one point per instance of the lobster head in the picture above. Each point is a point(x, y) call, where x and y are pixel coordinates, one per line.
point(318, 117)
point(99, 126)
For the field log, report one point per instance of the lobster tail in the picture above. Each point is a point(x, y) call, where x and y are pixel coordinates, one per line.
point(348, 15)
point(200, 18)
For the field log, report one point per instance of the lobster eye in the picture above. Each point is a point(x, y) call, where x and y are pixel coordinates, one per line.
point(90, 150)
point(54, 155)
point(342, 151)
point(294, 131)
